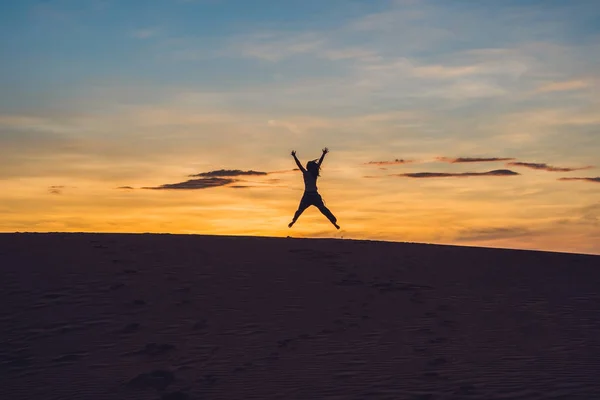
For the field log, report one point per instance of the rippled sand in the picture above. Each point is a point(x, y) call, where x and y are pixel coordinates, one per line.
point(98, 316)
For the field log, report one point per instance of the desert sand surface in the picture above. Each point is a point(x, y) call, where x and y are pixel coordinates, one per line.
point(128, 316)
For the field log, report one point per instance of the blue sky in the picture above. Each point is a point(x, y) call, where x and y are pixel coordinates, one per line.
point(100, 94)
point(56, 46)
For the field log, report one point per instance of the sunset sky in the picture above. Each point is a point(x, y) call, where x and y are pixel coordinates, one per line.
point(454, 122)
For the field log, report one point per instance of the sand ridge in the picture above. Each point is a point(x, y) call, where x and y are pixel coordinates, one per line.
point(113, 316)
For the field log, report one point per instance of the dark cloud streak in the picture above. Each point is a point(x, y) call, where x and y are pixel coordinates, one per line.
point(212, 179)
point(492, 233)
point(546, 167)
point(56, 189)
point(397, 161)
point(194, 184)
point(497, 172)
point(472, 159)
point(594, 180)
point(229, 173)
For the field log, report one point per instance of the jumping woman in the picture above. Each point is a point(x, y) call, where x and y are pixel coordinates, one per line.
point(311, 196)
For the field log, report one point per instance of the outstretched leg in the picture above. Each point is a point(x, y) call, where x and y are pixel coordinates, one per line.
point(303, 206)
point(325, 211)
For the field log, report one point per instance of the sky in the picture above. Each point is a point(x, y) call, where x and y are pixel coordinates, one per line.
point(450, 122)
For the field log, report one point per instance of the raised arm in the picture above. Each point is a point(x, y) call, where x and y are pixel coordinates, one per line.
point(297, 161)
point(325, 151)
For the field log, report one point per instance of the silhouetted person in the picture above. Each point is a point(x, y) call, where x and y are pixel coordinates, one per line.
point(311, 196)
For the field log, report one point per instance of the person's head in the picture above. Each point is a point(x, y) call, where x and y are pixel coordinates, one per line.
point(313, 167)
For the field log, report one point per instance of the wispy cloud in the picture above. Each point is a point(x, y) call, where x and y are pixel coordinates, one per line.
point(56, 189)
point(491, 233)
point(546, 167)
point(497, 172)
point(212, 179)
point(595, 180)
point(472, 159)
point(564, 86)
point(49, 11)
point(277, 46)
point(397, 161)
point(145, 33)
point(125, 187)
point(229, 172)
point(194, 184)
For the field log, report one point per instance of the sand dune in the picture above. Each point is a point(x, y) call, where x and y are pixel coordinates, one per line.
point(99, 316)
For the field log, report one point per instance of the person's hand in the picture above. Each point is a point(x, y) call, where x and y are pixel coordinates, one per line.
point(293, 153)
point(325, 150)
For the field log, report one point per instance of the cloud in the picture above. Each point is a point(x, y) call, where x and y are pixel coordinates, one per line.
point(193, 184)
point(56, 189)
point(546, 167)
point(397, 161)
point(491, 233)
point(595, 180)
point(472, 159)
point(497, 172)
point(564, 86)
point(229, 172)
point(276, 46)
point(144, 33)
point(212, 179)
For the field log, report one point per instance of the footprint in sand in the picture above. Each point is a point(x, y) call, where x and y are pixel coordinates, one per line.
point(272, 357)
point(248, 365)
point(465, 390)
point(431, 375)
point(153, 349)
point(130, 271)
point(175, 396)
point(427, 396)
point(425, 331)
point(416, 298)
point(116, 286)
point(284, 342)
point(438, 340)
point(437, 362)
point(129, 328)
point(209, 379)
point(53, 296)
point(157, 379)
point(16, 363)
point(202, 324)
point(309, 254)
point(68, 358)
point(447, 323)
point(349, 281)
